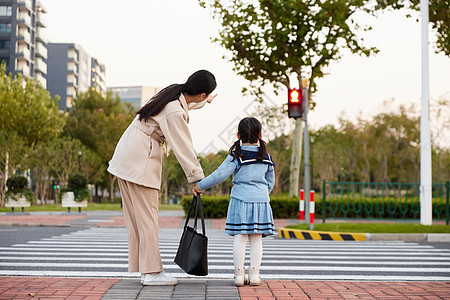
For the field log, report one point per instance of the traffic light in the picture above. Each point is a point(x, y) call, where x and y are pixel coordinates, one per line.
point(55, 185)
point(295, 103)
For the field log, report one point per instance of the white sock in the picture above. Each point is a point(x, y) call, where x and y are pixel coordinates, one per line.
point(239, 244)
point(255, 250)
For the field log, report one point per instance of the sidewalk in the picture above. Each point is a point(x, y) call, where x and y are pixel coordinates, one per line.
point(90, 289)
point(167, 219)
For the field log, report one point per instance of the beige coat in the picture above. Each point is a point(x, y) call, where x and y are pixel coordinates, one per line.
point(138, 156)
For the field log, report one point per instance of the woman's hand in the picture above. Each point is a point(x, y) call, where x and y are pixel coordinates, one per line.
point(211, 98)
point(196, 190)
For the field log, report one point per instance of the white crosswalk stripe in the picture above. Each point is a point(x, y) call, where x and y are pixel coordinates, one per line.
point(103, 252)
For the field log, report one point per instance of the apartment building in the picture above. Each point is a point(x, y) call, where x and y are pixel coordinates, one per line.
point(98, 79)
point(23, 43)
point(136, 95)
point(70, 70)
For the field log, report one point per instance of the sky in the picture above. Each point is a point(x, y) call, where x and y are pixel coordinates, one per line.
point(157, 43)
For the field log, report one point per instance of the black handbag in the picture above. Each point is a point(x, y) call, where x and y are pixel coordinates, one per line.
point(192, 254)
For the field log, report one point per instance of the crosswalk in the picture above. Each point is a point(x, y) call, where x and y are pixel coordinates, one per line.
point(103, 252)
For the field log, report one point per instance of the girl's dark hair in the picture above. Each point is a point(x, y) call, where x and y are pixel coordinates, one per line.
point(198, 83)
point(249, 130)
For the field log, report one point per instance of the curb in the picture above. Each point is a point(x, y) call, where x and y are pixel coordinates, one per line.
point(348, 236)
point(9, 224)
point(320, 235)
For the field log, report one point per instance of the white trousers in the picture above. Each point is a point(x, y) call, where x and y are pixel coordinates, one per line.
point(239, 245)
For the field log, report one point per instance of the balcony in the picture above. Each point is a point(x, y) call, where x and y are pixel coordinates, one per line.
point(41, 79)
point(72, 55)
point(41, 36)
point(40, 66)
point(24, 18)
point(24, 35)
point(40, 7)
point(41, 20)
point(23, 68)
point(25, 3)
point(71, 81)
point(70, 92)
point(23, 53)
point(41, 51)
point(72, 68)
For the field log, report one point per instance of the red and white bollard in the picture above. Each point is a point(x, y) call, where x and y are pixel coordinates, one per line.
point(311, 207)
point(302, 206)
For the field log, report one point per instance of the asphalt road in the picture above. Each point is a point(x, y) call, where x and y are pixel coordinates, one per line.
point(102, 252)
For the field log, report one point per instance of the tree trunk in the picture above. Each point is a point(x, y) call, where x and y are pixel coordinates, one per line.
point(42, 191)
point(294, 176)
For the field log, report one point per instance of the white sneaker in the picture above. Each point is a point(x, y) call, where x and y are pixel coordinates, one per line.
point(159, 279)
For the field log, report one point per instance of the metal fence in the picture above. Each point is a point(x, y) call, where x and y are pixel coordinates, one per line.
point(375, 200)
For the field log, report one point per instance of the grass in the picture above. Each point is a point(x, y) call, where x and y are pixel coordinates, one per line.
point(375, 227)
point(91, 206)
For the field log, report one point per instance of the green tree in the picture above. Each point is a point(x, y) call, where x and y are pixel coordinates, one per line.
point(98, 122)
point(27, 109)
point(209, 164)
point(39, 163)
point(329, 156)
point(63, 158)
point(272, 42)
point(10, 160)
point(28, 116)
point(172, 178)
point(91, 166)
point(277, 130)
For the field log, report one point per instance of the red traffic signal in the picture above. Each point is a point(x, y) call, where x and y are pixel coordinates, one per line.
point(295, 103)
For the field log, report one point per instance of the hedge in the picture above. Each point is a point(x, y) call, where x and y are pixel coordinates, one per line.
point(287, 208)
point(217, 206)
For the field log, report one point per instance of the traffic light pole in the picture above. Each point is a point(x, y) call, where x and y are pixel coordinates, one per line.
point(306, 153)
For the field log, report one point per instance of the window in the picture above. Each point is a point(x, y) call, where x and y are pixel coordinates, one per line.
point(5, 11)
point(4, 44)
point(5, 27)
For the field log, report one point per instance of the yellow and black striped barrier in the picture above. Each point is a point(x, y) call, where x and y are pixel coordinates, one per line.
point(320, 235)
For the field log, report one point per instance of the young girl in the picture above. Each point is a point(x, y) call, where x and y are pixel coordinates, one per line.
point(249, 214)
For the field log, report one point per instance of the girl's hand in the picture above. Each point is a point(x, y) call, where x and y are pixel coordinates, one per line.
point(196, 190)
point(211, 98)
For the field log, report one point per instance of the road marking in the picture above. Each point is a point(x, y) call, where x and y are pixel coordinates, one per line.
point(98, 252)
point(230, 255)
point(265, 245)
point(225, 261)
point(174, 250)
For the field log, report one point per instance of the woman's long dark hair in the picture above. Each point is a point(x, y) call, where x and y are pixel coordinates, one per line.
point(249, 131)
point(198, 83)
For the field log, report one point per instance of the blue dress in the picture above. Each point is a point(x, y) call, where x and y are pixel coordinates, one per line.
point(249, 211)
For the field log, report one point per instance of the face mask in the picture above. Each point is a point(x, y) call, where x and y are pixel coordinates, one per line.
point(196, 105)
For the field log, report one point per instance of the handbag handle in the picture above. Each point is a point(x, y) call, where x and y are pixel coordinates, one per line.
point(197, 202)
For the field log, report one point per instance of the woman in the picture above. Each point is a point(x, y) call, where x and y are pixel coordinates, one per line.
point(137, 163)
